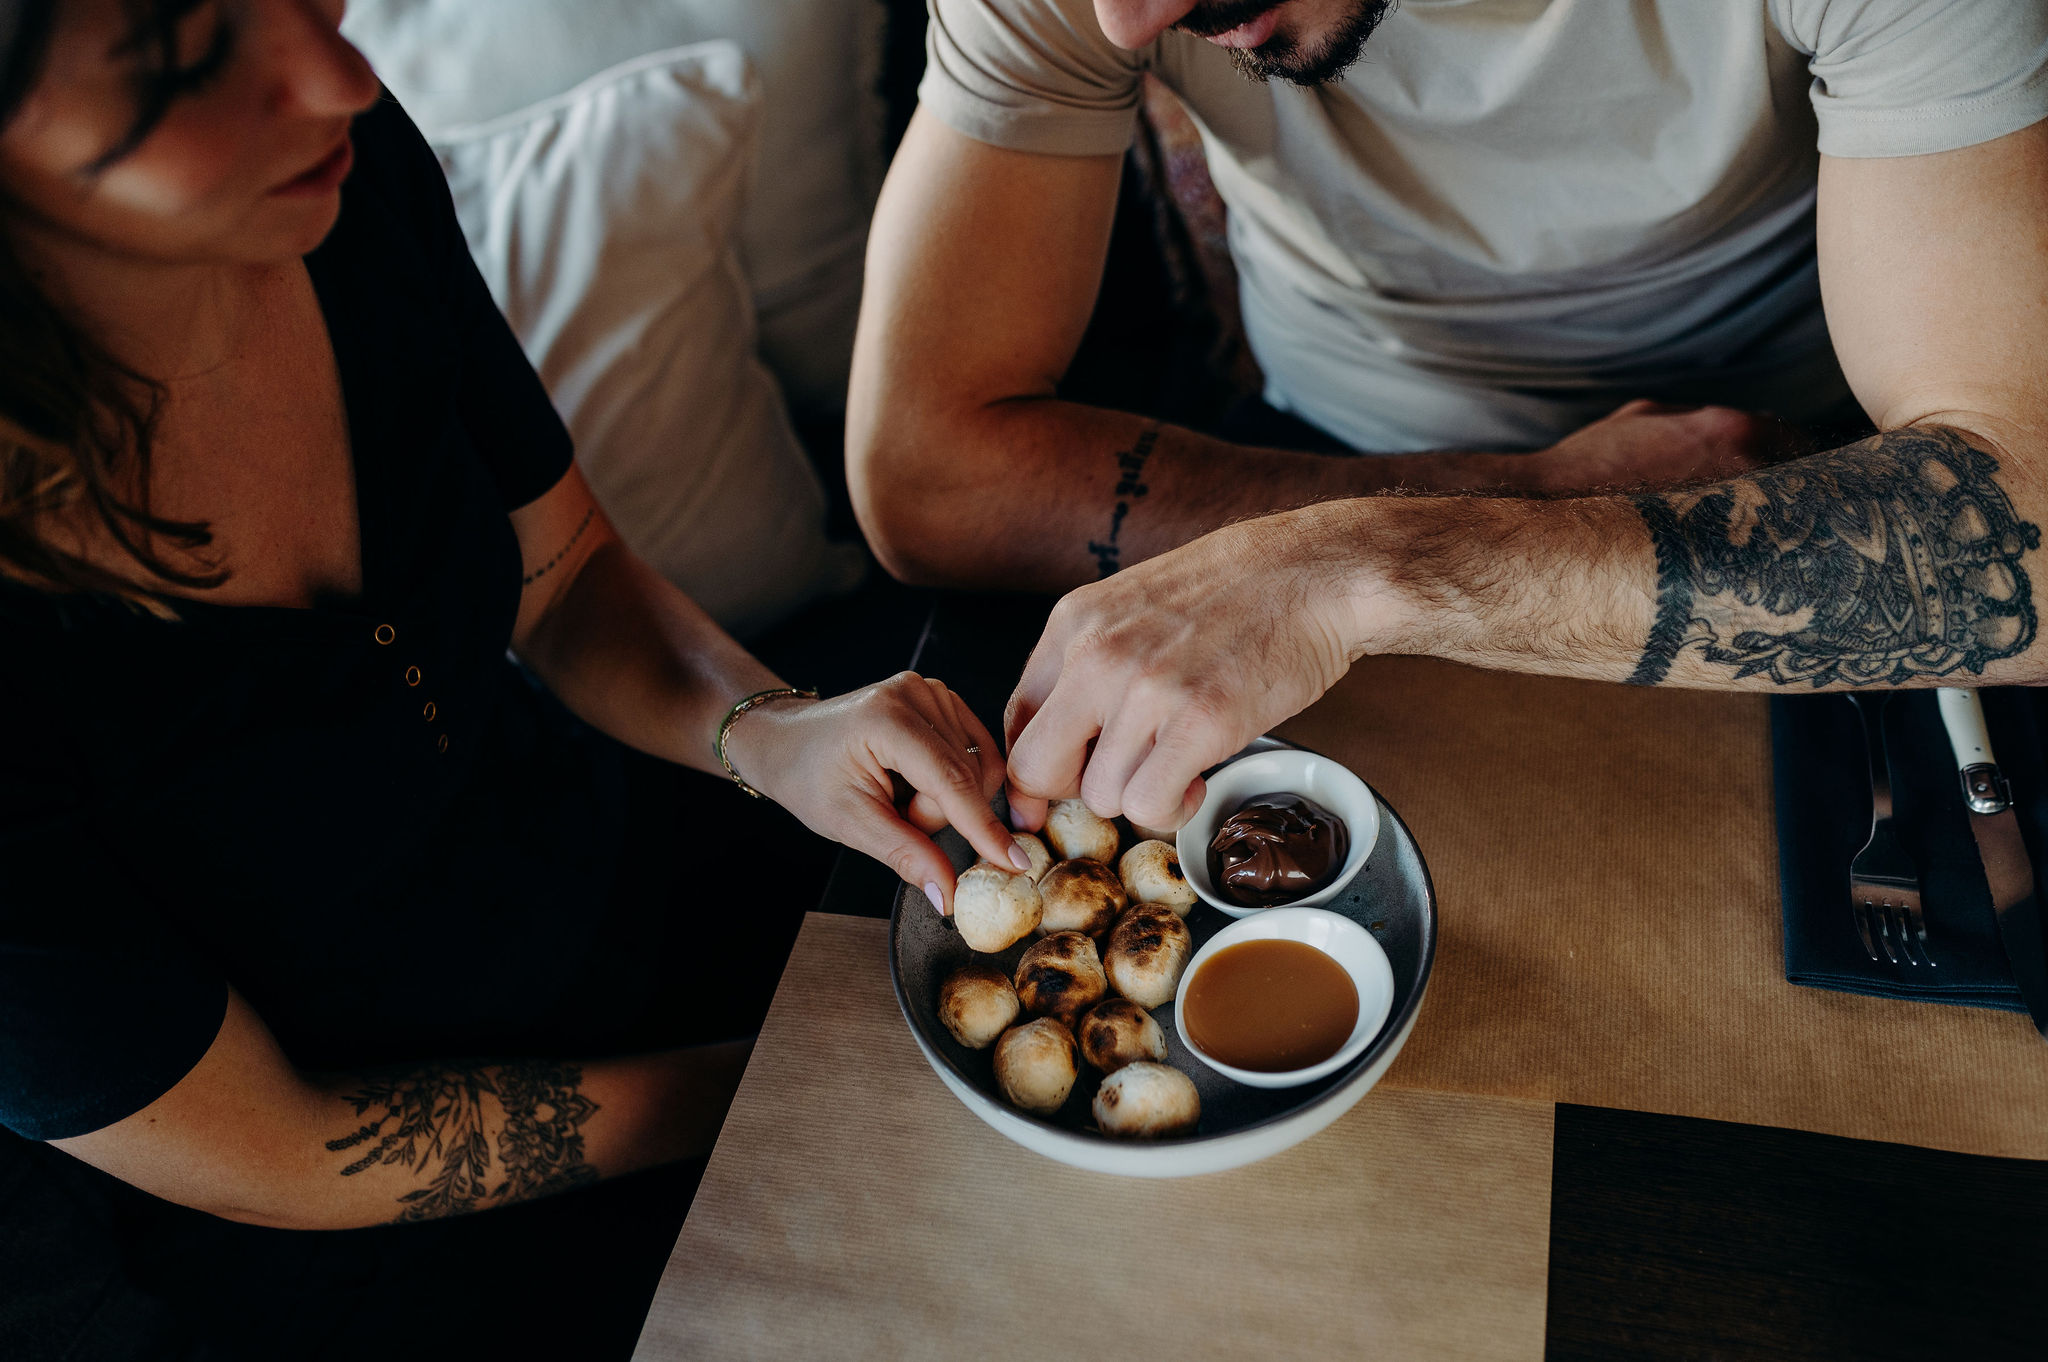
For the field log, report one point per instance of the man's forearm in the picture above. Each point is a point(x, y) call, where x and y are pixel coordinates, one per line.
point(1044, 494)
point(1901, 560)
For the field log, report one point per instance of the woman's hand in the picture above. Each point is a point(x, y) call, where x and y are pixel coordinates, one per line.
point(833, 763)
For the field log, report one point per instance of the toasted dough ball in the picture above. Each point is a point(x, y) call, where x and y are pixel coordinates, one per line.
point(1041, 859)
point(1146, 954)
point(1151, 874)
point(1076, 834)
point(993, 908)
point(1145, 834)
point(1081, 896)
point(977, 1004)
point(1060, 976)
point(1116, 1032)
point(1035, 1065)
point(1145, 1100)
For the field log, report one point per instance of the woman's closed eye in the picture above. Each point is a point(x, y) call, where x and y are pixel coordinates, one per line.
point(179, 49)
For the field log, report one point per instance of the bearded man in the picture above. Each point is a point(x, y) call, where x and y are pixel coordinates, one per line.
point(1465, 228)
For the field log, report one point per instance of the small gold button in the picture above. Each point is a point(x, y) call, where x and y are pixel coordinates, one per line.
point(441, 744)
point(412, 676)
point(385, 633)
point(429, 712)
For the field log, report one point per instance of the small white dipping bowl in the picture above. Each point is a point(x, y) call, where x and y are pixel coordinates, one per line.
point(1279, 770)
point(1336, 936)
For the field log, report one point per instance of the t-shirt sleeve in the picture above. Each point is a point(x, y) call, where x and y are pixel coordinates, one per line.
point(1030, 75)
point(1912, 77)
point(501, 401)
point(102, 1009)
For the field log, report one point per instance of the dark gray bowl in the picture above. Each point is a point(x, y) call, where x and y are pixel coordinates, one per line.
point(1391, 896)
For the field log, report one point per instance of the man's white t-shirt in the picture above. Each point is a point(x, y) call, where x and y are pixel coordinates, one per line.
point(1514, 215)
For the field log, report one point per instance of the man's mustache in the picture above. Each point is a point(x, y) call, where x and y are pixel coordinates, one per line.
point(1209, 20)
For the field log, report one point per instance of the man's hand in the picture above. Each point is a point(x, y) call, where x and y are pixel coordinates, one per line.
point(1650, 444)
point(1144, 679)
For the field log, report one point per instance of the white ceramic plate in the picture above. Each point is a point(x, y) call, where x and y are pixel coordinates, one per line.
point(1391, 897)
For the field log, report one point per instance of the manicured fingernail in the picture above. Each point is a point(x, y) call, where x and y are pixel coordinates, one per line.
point(931, 891)
point(1019, 857)
point(1017, 821)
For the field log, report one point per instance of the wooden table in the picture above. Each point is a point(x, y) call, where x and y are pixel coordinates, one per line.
point(854, 1209)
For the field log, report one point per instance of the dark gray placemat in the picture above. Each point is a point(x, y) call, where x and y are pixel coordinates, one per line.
point(1822, 786)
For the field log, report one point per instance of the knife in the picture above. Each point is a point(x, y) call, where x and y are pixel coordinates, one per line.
point(2013, 893)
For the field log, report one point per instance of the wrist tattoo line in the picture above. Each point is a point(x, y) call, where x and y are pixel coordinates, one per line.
point(1130, 489)
point(434, 1115)
point(1674, 594)
point(549, 566)
point(1892, 559)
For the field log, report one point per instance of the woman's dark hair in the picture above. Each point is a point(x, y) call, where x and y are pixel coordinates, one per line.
point(76, 424)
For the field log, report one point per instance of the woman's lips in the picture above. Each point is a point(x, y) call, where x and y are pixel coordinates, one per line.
point(323, 178)
point(1252, 34)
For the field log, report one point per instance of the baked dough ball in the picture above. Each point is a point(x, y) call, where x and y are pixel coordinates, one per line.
point(1145, 1100)
point(1151, 874)
point(1035, 1065)
point(1081, 896)
point(977, 1003)
point(1076, 834)
point(1041, 859)
point(1145, 834)
point(994, 908)
point(1060, 976)
point(1116, 1032)
point(1146, 954)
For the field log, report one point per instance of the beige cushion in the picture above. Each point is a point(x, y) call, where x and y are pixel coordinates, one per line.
point(602, 220)
point(817, 161)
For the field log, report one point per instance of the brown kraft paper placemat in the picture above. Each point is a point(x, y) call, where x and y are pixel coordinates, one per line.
point(855, 1209)
point(1606, 867)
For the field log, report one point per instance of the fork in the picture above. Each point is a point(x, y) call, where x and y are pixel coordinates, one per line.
point(1884, 885)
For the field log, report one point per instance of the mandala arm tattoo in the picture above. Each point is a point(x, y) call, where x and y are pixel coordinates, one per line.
point(1880, 563)
point(431, 1120)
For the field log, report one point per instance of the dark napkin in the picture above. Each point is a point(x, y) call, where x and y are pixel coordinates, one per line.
point(1822, 784)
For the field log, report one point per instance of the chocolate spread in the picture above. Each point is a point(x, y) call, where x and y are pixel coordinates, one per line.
point(1276, 848)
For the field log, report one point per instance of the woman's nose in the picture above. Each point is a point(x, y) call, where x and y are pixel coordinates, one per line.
point(323, 73)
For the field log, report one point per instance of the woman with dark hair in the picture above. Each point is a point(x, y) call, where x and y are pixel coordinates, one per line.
point(286, 840)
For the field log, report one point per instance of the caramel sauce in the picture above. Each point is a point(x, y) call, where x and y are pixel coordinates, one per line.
point(1270, 1006)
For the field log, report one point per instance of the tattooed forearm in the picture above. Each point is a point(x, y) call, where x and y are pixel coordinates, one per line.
point(1876, 564)
point(551, 564)
point(432, 1120)
point(1130, 489)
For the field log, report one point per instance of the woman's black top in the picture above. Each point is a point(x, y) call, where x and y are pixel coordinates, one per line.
point(362, 816)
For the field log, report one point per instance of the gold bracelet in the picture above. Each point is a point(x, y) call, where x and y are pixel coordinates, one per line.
point(732, 716)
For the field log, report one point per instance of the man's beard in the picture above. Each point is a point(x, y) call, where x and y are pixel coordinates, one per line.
point(1281, 56)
